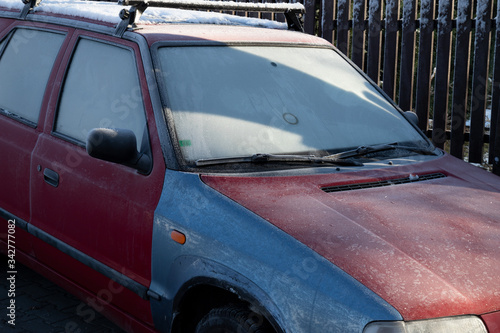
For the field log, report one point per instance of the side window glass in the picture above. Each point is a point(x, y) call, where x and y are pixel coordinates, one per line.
point(25, 66)
point(101, 90)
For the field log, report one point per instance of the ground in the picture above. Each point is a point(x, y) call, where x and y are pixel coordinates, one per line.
point(42, 307)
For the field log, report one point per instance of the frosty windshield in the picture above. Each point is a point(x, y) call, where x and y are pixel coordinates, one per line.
point(229, 101)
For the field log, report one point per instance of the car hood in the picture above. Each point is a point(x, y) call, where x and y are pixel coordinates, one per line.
point(429, 247)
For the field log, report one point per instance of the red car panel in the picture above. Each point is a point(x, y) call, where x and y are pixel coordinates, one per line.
point(492, 321)
point(115, 227)
point(16, 144)
point(404, 242)
point(4, 24)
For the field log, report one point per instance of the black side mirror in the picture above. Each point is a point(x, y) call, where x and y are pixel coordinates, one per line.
point(117, 145)
point(412, 117)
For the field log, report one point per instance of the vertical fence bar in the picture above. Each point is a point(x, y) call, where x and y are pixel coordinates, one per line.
point(252, 14)
point(391, 48)
point(407, 55)
point(374, 39)
point(461, 77)
point(343, 31)
point(480, 80)
point(238, 12)
point(309, 17)
point(280, 17)
point(495, 103)
point(358, 33)
point(426, 45)
point(267, 16)
point(327, 15)
point(441, 87)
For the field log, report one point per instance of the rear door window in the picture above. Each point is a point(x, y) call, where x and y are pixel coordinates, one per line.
point(26, 60)
point(101, 90)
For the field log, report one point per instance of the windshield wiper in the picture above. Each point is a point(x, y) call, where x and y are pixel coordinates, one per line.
point(364, 150)
point(271, 158)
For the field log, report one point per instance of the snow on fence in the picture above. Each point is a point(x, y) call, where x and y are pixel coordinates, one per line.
point(438, 58)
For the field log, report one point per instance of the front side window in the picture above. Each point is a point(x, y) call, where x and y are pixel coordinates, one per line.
point(101, 90)
point(25, 65)
point(229, 101)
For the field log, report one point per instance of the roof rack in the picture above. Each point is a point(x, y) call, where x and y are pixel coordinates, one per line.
point(131, 16)
point(28, 5)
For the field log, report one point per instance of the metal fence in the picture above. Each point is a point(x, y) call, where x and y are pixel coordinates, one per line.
point(440, 58)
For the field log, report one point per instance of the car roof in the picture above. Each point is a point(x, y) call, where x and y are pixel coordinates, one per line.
point(168, 24)
point(225, 34)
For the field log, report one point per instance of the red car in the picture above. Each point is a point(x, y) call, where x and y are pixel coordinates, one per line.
point(187, 171)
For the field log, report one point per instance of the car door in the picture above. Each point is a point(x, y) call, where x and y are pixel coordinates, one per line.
point(28, 55)
point(97, 212)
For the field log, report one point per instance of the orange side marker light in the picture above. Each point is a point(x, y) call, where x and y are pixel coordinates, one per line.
point(178, 236)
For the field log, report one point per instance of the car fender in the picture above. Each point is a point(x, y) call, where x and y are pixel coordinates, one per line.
point(229, 247)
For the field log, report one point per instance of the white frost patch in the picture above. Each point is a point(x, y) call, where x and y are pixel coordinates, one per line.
point(374, 7)
point(408, 13)
point(340, 8)
point(108, 12)
point(444, 17)
point(463, 14)
point(11, 4)
point(390, 7)
point(161, 15)
point(357, 9)
point(482, 10)
point(99, 11)
point(425, 10)
point(497, 18)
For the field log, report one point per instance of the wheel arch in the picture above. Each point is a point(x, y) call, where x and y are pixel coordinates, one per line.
point(219, 286)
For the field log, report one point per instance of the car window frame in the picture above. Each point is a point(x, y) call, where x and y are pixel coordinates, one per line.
point(72, 49)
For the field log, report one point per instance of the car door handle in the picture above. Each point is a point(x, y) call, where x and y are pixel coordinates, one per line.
point(51, 177)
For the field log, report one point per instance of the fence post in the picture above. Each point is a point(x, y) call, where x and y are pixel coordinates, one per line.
point(374, 39)
point(309, 17)
point(391, 48)
point(460, 91)
point(343, 31)
point(495, 103)
point(358, 33)
point(480, 80)
point(425, 62)
point(327, 11)
point(407, 55)
point(442, 82)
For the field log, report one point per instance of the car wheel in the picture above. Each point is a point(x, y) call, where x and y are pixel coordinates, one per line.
point(233, 319)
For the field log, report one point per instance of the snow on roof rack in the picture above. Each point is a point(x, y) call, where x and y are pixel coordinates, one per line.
point(221, 5)
point(131, 16)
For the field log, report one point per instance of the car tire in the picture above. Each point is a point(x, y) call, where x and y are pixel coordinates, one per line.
point(233, 319)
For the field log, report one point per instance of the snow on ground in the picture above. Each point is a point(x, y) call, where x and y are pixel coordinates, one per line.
point(108, 12)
